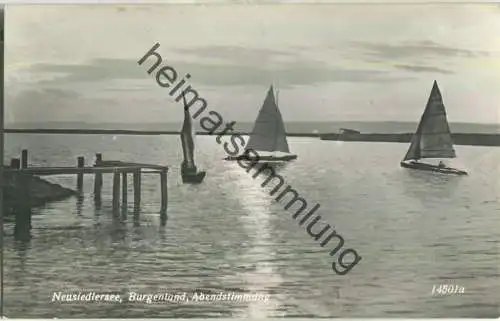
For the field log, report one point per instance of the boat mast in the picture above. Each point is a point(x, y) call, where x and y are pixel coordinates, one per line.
point(277, 92)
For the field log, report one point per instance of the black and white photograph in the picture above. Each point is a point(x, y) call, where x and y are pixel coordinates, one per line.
point(250, 160)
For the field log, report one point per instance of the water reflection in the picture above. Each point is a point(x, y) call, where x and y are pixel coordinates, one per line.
point(79, 204)
point(118, 232)
point(22, 225)
point(163, 218)
point(274, 165)
point(124, 210)
point(262, 275)
point(137, 216)
point(97, 203)
point(22, 248)
point(427, 186)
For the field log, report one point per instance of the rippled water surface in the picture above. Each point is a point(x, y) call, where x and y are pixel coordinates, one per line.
point(412, 229)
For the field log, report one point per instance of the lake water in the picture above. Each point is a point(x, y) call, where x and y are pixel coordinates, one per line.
point(413, 230)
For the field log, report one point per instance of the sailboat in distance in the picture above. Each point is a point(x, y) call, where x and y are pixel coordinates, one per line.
point(432, 140)
point(268, 137)
point(189, 171)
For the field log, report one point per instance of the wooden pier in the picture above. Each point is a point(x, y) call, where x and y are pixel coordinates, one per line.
point(21, 171)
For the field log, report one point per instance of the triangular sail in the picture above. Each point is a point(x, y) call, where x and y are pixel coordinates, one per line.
point(187, 134)
point(433, 137)
point(269, 133)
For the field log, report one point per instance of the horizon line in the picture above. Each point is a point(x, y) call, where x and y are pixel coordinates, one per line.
point(249, 121)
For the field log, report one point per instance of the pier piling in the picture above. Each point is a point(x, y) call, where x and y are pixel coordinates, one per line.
point(116, 191)
point(124, 195)
point(22, 176)
point(98, 179)
point(164, 197)
point(15, 163)
point(24, 158)
point(98, 159)
point(22, 226)
point(137, 195)
point(137, 188)
point(80, 163)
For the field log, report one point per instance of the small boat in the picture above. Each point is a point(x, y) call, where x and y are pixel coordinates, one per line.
point(268, 137)
point(432, 140)
point(189, 171)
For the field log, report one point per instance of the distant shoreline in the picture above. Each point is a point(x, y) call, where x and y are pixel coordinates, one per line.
point(466, 139)
point(128, 132)
point(469, 139)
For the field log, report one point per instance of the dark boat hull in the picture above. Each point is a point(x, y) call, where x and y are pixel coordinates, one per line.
point(193, 178)
point(262, 158)
point(433, 168)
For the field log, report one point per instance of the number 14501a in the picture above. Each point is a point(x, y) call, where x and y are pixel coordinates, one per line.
point(447, 289)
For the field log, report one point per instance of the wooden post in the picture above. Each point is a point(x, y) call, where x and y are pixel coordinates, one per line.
point(124, 195)
point(137, 188)
point(164, 197)
point(80, 163)
point(97, 203)
point(24, 158)
point(15, 163)
point(98, 159)
point(116, 191)
point(22, 227)
point(97, 179)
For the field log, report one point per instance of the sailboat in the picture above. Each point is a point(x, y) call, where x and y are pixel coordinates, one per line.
point(432, 139)
point(189, 171)
point(268, 137)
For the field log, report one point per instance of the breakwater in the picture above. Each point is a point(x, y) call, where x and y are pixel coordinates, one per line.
point(458, 138)
point(40, 192)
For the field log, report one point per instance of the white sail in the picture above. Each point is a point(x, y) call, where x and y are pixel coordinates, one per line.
point(187, 134)
point(433, 136)
point(269, 133)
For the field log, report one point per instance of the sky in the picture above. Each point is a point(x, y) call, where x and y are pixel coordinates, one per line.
point(330, 62)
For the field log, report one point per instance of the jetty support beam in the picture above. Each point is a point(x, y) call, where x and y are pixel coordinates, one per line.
point(97, 181)
point(116, 191)
point(24, 158)
point(22, 227)
point(124, 195)
point(137, 193)
point(164, 197)
point(80, 163)
point(15, 163)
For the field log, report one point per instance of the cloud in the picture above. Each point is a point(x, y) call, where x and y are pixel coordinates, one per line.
point(243, 66)
point(424, 69)
point(44, 98)
point(420, 49)
point(236, 66)
point(96, 70)
point(233, 54)
point(48, 103)
point(414, 57)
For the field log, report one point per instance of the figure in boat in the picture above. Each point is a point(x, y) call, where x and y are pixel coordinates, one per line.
point(189, 171)
point(432, 138)
point(268, 137)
